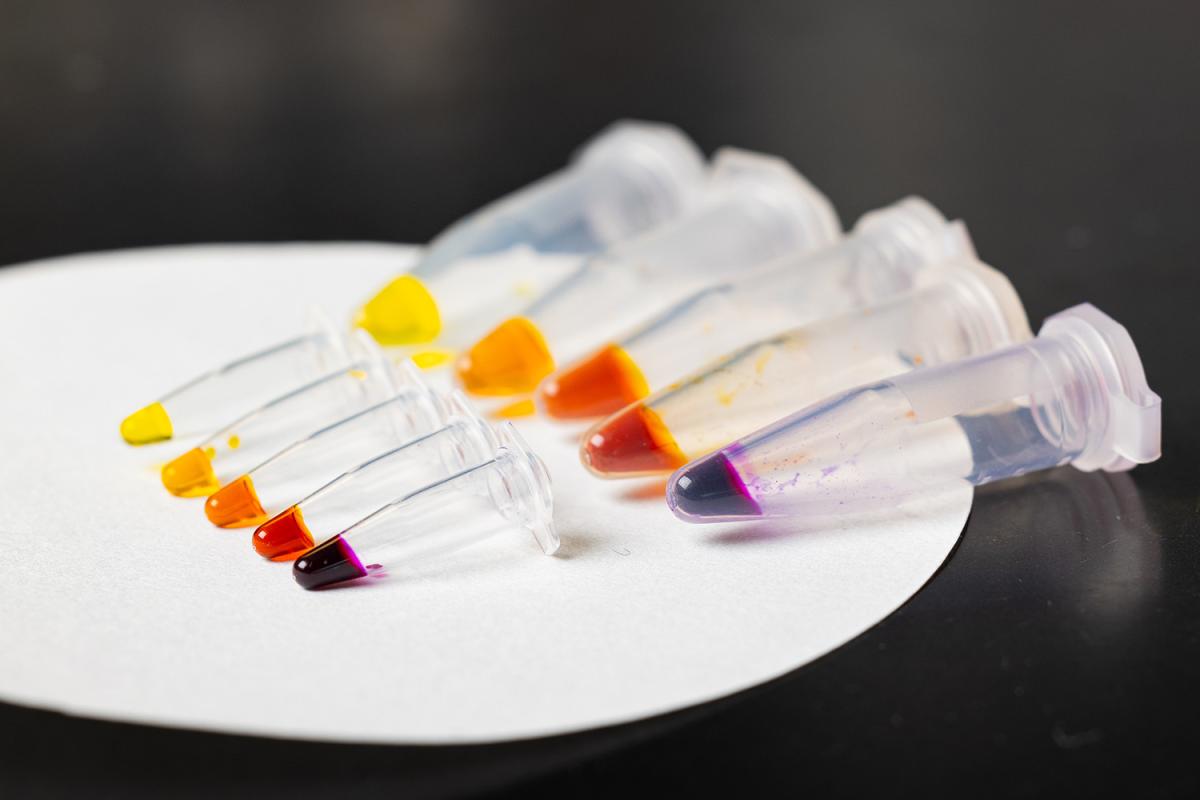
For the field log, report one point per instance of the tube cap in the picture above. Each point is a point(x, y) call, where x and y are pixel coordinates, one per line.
point(1128, 429)
point(666, 165)
point(522, 489)
point(814, 221)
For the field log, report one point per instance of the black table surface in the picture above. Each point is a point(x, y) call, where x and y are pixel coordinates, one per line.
point(1057, 649)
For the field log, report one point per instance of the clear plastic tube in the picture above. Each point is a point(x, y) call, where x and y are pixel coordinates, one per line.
point(883, 256)
point(510, 490)
point(756, 208)
point(462, 440)
point(1076, 394)
point(222, 393)
point(960, 310)
point(303, 466)
point(368, 379)
point(630, 178)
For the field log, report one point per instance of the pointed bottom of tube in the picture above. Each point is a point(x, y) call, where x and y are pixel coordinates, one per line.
point(512, 359)
point(602, 383)
point(147, 425)
point(330, 562)
point(190, 475)
point(284, 537)
point(403, 312)
point(711, 490)
point(235, 505)
point(633, 442)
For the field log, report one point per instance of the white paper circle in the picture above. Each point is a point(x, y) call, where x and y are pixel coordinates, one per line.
point(122, 602)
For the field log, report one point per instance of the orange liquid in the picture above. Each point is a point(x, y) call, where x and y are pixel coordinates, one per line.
point(190, 475)
point(284, 536)
point(512, 359)
point(600, 384)
point(633, 442)
point(235, 505)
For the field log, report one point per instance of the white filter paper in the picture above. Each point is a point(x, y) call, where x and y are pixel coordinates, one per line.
point(122, 602)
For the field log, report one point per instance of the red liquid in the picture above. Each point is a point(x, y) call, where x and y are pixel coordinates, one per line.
point(634, 442)
point(330, 562)
point(284, 536)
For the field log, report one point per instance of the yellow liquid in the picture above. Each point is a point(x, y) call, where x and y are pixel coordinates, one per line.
point(147, 425)
point(512, 359)
point(191, 475)
point(403, 312)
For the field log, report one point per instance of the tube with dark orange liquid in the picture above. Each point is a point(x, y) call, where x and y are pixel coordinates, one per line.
point(237, 447)
point(882, 257)
point(309, 463)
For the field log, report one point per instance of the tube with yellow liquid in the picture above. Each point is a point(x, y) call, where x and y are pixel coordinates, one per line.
point(755, 208)
point(633, 176)
point(223, 393)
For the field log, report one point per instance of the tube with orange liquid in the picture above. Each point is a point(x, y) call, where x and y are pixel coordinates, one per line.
point(882, 256)
point(958, 311)
point(305, 465)
point(756, 208)
point(234, 448)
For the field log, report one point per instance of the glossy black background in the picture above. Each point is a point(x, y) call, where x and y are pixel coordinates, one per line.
point(1056, 651)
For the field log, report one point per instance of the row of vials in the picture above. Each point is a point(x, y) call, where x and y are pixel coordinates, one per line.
point(718, 323)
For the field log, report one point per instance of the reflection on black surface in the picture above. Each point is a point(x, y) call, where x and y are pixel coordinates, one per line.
point(1088, 539)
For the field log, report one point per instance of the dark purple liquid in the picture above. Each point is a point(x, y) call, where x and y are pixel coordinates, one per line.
point(333, 561)
point(711, 487)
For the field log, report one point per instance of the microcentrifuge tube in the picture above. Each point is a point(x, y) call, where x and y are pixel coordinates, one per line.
point(307, 464)
point(883, 256)
point(961, 309)
point(631, 177)
point(367, 380)
point(1076, 394)
point(755, 208)
point(220, 394)
point(510, 490)
point(462, 441)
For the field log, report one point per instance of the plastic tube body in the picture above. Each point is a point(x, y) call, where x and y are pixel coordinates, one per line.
point(509, 491)
point(883, 257)
point(1076, 394)
point(461, 442)
point(756, 209)
point(307, 464)
point(629, 179)
point(960, 311)
point(216, 396)
point(255, 436)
